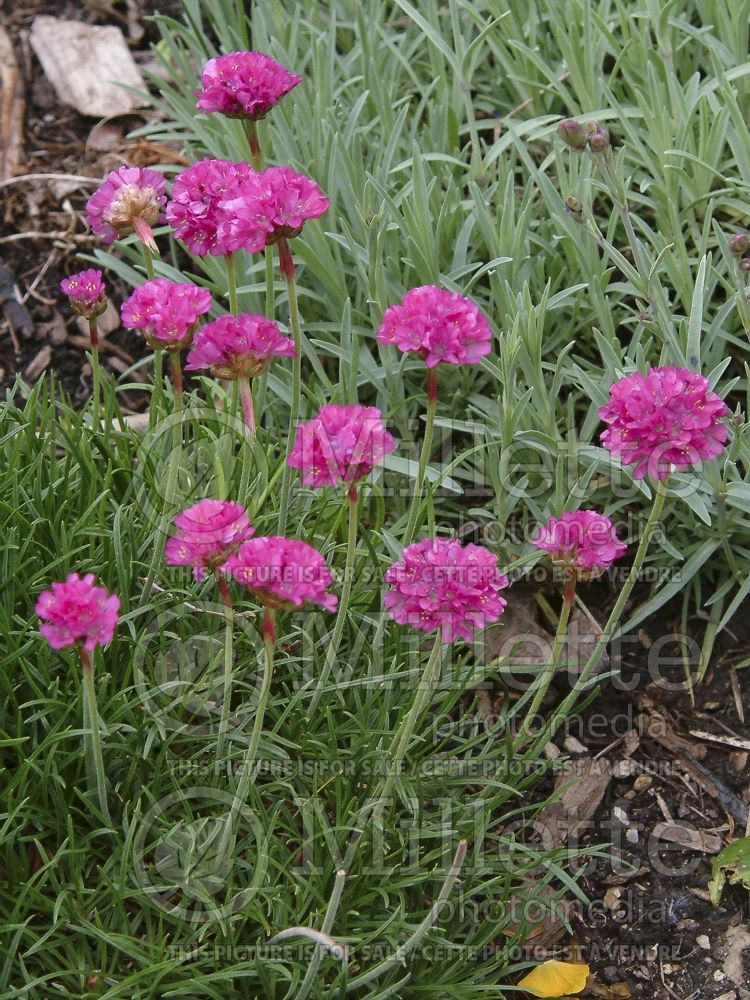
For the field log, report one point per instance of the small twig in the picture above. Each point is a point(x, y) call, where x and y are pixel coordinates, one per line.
point(78, 178)
point(30, 291)
point(15, 237)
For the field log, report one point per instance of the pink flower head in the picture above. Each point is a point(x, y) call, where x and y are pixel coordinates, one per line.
point(343, 443)
point(197, 210)
point(584, 541)
point(441, 584)
point(283, 573)
point(439, 325)
point(77, 612)
point(166, 312)
point(130, 200)
point(208, 533)
point(241, 346)
point(272, 205)
point(86, 291)
point(665, 419)
point(244, 85)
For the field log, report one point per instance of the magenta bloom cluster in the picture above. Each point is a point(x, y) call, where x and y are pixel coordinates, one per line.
point(131, 199)
point(208, 533)
point(274, 204)
point(283, 573)
point(340, 444)
point(441, 584)
point(584, 541)
point(243, 346)
point(166, 312)
point(243, 85)
point(666, 419)
point(77, 612)
point(219, 207)
point(86, 291)
point(196, 211)
point(440, 326)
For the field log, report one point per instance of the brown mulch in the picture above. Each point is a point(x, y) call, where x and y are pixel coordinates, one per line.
point(43, 230)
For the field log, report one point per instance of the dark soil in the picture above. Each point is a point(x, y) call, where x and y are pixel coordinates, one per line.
point(43, 229)
point(649, 930)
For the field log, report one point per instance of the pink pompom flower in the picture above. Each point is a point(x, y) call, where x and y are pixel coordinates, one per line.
point(86, 291)
point(340, 444)
point(166, 312)
point(238, 347)
point(208, 533)
point(441, 584)
point(76, 612)
point(244, 85)
point(438, 325)
point(197, 211)
point(283, 573)
point(666, 419)
point(271, 207)
point(583, 541)
point(131, 199)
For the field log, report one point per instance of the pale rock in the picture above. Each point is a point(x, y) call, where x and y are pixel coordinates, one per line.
point(87, 65)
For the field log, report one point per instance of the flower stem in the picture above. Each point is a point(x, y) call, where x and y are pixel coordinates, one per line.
point(402, 738)
point(286, 264)
point(175, 459)
point(432, 399)
point(96, 373)
point(229, 262)
point(148, 261)
point(248, 410)
point(270, 290)
point(92, 737)
point(346, 591)
point(176, 369)
point(256, 154)
point(226, 598)
point(593, 661)
point(569, 594)
point(248, 761)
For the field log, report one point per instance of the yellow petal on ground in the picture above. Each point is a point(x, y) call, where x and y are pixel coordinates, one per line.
point(555, 979)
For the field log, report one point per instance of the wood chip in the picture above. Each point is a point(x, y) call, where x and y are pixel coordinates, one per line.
point(12, 108)
point(693, 840)
point(584, 782)
point(727, 741)
point(38, 363)
point(659, 726)
point(87, 65)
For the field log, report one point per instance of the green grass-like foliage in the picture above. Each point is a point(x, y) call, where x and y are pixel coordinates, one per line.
point(431, 127)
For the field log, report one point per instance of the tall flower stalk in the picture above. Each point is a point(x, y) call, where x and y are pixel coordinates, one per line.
point(334, 642)
point(77, 613)
point(567, 704)
point(239, 349)
point(88, 298)
point(582, 545)
point(424, 456)
point(341, 445)
point(286, 265)
point(92, 736)
point(441, 327)
point(206, 536)
point(281, 573)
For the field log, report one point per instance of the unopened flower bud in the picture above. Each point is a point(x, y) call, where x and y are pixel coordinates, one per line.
point(574, 207)
point(745, 264)
point(739, 244)
point(572, 133)
point(599, 140)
